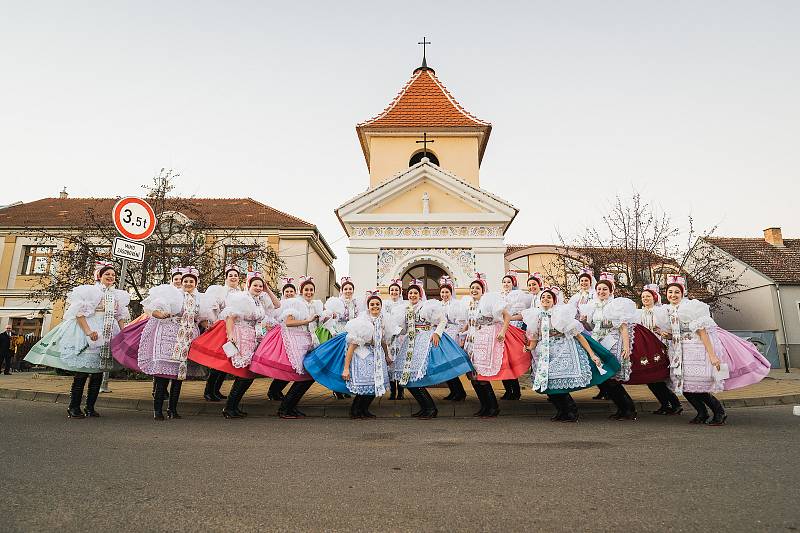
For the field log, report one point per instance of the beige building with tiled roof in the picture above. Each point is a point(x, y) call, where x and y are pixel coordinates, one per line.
point(24, 260)
point(424, 213)
point(769, 299)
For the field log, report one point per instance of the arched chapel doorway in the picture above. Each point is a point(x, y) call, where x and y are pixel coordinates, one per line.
point(429, 274)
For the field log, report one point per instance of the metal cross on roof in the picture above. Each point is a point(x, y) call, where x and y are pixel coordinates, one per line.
point(424, 143)
point(425, 42)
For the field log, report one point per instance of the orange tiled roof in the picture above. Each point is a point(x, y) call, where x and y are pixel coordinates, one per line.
point(221, 212)
point(424, 103)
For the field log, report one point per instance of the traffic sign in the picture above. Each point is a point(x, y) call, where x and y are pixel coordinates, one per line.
point(134, 218)
point(125, 249)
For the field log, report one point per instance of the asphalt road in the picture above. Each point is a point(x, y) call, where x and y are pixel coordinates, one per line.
point(125, 472)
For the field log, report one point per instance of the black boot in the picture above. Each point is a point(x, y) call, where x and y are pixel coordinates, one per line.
point(415, 392)
point(429, 410)
point(720, 416)
point(516, 390)
point(561, 409)
point(76, 394)
point(275, 392)
point(355, 408)
point(570, 409)
point(480, 392)
point(614, 393)
point(695, 399)
point(457, 392)
point(239, 387)
point(492, 407)
point(365, 403)
point(508, 384)
point(174, 396)
point(670, 404)
point(93, 391)
point(218, 385)
point(392, 390)
point(288, 408)
point(629, 412)
point(158, 398)
point(211, 383)
point(338, 395)
point(400, 390)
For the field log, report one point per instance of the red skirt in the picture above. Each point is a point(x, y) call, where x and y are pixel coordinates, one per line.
point(516, 361)
point(207, 351)
point(649, 360)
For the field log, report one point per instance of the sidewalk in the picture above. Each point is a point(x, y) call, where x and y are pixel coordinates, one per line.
point(779, 388)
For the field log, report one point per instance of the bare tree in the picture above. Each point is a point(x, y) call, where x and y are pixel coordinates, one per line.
point(639, 244)
point(183, 236)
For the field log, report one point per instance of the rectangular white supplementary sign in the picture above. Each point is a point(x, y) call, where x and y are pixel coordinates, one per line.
point(125, 249)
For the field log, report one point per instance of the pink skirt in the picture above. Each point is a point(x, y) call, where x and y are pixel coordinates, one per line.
point(746, 365)
point(271, 358)
point(125, 344)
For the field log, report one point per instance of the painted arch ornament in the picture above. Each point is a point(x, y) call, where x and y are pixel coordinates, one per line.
point(459, 263)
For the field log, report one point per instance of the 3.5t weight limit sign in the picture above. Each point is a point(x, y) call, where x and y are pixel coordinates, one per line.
point(134, 218)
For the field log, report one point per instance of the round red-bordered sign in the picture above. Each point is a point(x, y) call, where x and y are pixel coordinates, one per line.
point(134, 218)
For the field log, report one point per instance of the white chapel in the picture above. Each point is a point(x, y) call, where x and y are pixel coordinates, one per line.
point(425, 214)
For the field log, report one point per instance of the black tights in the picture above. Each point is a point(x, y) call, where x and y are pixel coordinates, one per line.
point(699, 400)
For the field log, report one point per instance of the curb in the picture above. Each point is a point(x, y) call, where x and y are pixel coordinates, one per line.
point(383, 408)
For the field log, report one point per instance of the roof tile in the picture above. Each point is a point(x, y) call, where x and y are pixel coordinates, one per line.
point(221, 212)
point(780, 263)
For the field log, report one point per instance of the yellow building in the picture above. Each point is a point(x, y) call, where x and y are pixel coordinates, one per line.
point(25, 258)
point(424, 213)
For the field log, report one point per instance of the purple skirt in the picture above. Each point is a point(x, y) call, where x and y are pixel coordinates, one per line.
point(125, 345)
point(747, 366)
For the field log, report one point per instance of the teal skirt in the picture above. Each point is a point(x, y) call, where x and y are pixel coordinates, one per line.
point(610, 365)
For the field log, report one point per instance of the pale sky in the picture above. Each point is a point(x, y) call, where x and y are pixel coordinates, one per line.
point(695, 103)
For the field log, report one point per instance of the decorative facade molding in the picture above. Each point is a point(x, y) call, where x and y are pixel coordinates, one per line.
point(459, 263)
point(427, 231)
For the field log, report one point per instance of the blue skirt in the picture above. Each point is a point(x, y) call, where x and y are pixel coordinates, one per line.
point(610, 365)
point(326, 362)
point(446, 361)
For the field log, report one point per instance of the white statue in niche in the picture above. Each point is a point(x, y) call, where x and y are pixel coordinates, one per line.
point(426, 203)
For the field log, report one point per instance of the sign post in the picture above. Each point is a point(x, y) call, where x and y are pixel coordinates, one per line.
point(135, 220)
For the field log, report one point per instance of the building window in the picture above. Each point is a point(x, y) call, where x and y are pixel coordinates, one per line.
point(37, 260)
point(417, 157)
point(244, 257)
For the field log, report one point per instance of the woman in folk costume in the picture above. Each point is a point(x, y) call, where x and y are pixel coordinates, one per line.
point(456, 313)
point(229, 344)
point(173, 324)
point(566, 359)
point(288, 291)
point(517, 301)
point(651, 298)
point(219, 293)
point(125, 345)
point(535, 286)
point(342, 308)
point(357, 362)
point(426, 355)
point(586, 293)
point(280, 355)
point(339, 310)
point(704, 358)
point(496, 348)
point(81, 343)
point(395, 300)
point(640, 353)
